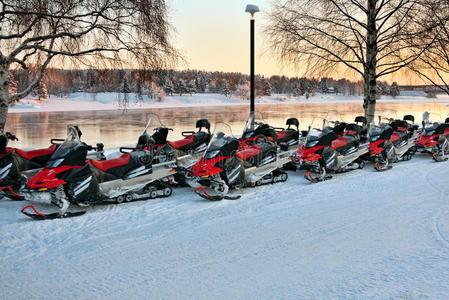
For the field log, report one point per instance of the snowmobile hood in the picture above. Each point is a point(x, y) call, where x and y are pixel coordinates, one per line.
point(206, 167)
point(46, 178)
point(374, 147)
point(304, 153)
point(427, 141)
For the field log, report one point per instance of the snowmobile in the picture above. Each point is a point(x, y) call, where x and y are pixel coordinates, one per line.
point(69, 179)
point(285, 138)
point(434, 138)
point(232, 163)
point(391, 141)
point(17, 166)
point(184, 151)
point(331, 146)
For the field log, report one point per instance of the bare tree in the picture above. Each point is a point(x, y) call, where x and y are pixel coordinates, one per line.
point(433, 65)
point(368, 37)
point(79, 33)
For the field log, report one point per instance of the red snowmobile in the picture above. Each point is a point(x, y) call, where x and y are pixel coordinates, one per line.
point(435, 137)
point(391, 141)
point(17, 166)
point(231, 163)
point(68, 178)
point(184, 151)
point(331, 146)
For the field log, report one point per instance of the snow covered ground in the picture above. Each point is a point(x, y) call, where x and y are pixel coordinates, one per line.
point(363, 234)
point(110, 101)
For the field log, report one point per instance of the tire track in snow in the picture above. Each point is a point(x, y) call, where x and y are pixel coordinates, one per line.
point(444, 194)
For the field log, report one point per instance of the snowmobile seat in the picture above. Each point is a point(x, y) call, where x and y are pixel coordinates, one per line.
point(203, 123)
point(185, 141)
point(105, 165)
point(33, 154)
point(447, 120)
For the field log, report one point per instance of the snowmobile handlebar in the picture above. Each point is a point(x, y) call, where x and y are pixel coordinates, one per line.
point(158, 128)
point(11, 136)
point(56, 141)
point(186, 133)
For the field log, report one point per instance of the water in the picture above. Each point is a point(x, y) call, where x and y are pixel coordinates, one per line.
point(122, 128)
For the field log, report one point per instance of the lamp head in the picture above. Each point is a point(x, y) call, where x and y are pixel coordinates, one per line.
point(252, 9)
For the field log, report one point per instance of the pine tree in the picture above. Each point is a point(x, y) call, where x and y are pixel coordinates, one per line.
point(169, 87)
point(42, 92)
point(225, 90)
point(394, 90)
point(125, 86)
point(266, 87)
point(191, 87)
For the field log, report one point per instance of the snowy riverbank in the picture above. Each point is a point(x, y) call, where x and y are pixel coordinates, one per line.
point(111, 101)
point(363, 234)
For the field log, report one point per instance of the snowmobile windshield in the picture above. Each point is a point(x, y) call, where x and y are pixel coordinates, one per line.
point(71, 143)
point(222, 143)
point(375, 131)
point(153, 122)
point(253, 122)
point(431, 119)
point(317, 129)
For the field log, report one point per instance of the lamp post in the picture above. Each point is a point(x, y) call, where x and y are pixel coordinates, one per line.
point(252, 9)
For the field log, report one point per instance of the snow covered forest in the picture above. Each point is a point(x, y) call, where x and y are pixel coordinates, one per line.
point(157, 84)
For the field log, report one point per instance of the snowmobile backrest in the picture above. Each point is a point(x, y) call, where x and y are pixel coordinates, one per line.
point(360, 119)
point(160, 136)
point(399, 123)
point(409, 118)
point(447, 120)
point(292, 122)
point(339, 128)
point(203, 123)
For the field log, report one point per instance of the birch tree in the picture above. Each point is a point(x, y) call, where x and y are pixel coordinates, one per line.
point(433, 65)
point(367, 37)
point(37, 33)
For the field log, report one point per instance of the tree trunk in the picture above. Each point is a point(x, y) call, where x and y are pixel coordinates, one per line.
point(4, 82)
point(369, 102)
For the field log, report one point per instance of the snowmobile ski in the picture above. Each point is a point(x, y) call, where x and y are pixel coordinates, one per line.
point(36, 215)
point(201, 191)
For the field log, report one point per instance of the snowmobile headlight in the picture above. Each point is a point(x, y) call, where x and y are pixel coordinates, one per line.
point(54, 163)
point(374, 138)
point(312, 144)
point(211, 154)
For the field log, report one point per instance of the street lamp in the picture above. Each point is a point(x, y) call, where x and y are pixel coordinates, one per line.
point(252, 9)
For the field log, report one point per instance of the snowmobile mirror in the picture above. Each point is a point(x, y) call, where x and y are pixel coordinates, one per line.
point(409, 118)
point(292, 121)
point(203, 123)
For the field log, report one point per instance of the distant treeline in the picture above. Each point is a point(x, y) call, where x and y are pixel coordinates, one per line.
point(157, 84)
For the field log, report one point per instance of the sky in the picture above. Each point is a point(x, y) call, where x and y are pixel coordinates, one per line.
point(214, 36)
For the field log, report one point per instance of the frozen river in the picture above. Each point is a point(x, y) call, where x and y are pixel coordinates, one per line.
point(118, 128)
